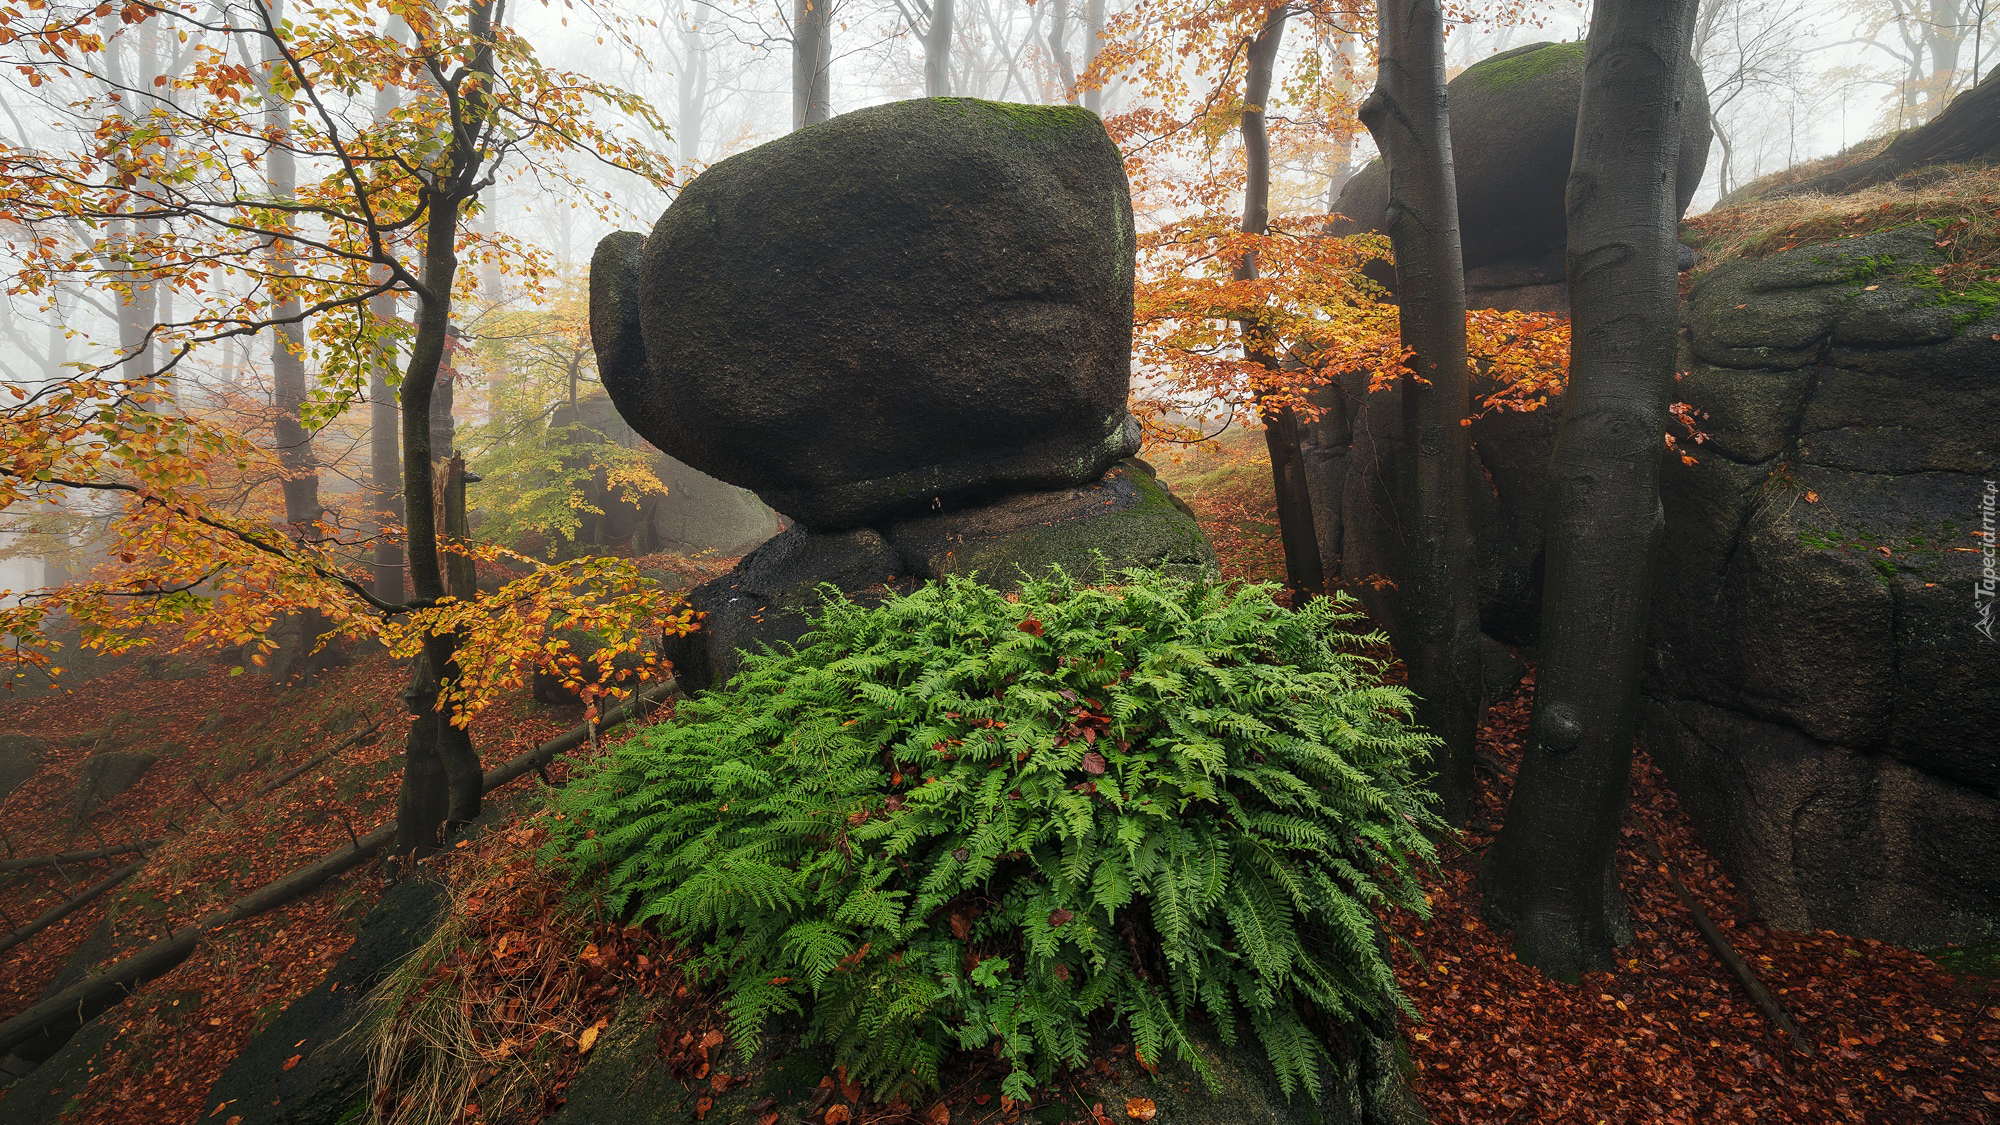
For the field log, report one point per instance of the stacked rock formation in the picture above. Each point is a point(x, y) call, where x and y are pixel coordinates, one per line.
point(1823, 687)
point(909, 330)
point(1513, 131)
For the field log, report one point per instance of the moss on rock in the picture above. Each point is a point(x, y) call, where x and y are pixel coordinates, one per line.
point(1525, 64)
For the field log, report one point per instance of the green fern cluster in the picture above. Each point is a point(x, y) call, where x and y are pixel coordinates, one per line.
point(961, 820)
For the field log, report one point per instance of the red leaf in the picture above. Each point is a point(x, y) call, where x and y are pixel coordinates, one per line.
point(1093, 763)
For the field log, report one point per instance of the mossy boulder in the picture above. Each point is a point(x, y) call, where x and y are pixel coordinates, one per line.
point(1820, 678)
point(1128, 518)
point(1513, 131)
point(107, 776)
point(913, 305)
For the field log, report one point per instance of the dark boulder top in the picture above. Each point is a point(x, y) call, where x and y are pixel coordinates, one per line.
point(908, 307)
point(1513, 131)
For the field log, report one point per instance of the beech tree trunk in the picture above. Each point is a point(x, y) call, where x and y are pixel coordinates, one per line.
point(385, 473)
point(441, 779)
point(1093, 30)
point(937, 49)
point(1305, 574)
point(1439, 621)
point(1059, 48)
point(288, 374)
point(1550, 874)
point(812, 62)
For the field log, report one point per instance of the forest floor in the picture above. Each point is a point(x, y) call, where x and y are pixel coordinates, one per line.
point(1667, 1037)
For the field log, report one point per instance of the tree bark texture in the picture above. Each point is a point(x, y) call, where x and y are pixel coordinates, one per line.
point(1305, 576)
point(937, 49)
point(296, 461)
point(1550, 874)
point(1408, 117)
point(812, 62)
point(441, 781)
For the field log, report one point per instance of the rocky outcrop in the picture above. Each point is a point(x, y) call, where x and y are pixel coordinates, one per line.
point(920, 304)
point(310, 1065)
point(1821, 688)
point(1513, 129)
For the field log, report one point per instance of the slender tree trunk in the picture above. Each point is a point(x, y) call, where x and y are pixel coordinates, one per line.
point(1439, 620)
point(1550, 874)
point(1305, 575)
point(1093, 30)
point(1059, 48)
point(137, 302)
point(296, 461)
point(693, 91)
point(441, 777)
point(812, 62)
point(937, 49)
point(385, 473)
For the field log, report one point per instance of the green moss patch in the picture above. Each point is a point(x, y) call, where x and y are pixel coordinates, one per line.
point(1527, 65)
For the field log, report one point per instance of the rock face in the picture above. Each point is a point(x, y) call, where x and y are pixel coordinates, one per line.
point(1822, 683)
point(327, 1085)
point(1513, 130)
point(919, 304)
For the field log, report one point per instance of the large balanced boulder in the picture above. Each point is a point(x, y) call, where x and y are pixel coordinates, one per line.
point(1821, 684)
point(1513, 131)
point(908, 307)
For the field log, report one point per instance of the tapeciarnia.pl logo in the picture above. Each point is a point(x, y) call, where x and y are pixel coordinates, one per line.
point(1987, 586)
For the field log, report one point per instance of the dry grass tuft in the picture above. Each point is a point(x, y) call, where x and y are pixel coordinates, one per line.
point(489, 1017)
point(1962, 202)
point(1860, 152)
